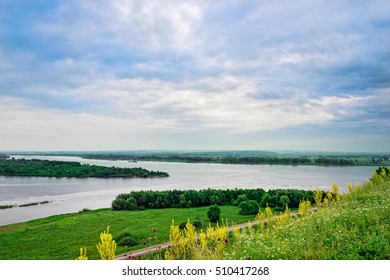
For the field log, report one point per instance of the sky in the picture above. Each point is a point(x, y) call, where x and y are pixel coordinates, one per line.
point(195, 75)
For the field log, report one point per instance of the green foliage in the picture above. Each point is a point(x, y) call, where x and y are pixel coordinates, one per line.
point(383, 171)
point(266, 200)
point(131, 203)
point(249, 207)
point(49, 168)
point(207, 197)
point(284, 200)
point(214, 213)
point(127, 239)
point(198, 224)
point(6, 206)
point(182, 225)
point(240, 198)
point(215, 199)
point(182, 201)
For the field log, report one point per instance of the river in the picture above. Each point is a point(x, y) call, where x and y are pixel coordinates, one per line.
point(68, 195)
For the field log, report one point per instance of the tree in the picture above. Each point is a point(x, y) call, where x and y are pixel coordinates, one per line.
point(267, 199)
point(182, 201)
point(214, 213)
point(249, 207)
point(215, 199)
point(284, 200)
point(131, 204)
point(240, 198)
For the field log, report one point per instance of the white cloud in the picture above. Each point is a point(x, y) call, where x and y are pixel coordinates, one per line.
point(126, 68)
point(124, 25)
point(25, 126)
point(223, 102)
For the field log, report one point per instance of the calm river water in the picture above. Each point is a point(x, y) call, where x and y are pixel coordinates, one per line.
point(68, 195)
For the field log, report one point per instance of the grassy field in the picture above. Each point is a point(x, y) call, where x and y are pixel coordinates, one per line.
point(60, 237)
point(353, 227)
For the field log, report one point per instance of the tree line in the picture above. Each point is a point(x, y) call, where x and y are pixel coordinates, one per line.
point(239, 159)
point(49, 168)
point(247, 199)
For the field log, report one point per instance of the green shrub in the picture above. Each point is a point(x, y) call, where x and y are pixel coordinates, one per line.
point(127, 239)
point(183, 225)
point(119, 203)
point(214, 213)
point(284, 200)
point(240, 199)
point(131, 204)
point(250, 207)
point(198, 224)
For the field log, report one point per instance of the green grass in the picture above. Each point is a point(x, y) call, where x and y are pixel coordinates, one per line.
point(60, 237)
point(357, 228)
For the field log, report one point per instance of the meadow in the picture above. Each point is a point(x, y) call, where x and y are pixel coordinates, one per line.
point(60, 237)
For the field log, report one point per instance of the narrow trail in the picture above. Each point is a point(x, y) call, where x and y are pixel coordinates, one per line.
point(162, 246)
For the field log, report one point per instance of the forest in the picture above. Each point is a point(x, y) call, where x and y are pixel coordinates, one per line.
point(247, 199)
point(46, 168)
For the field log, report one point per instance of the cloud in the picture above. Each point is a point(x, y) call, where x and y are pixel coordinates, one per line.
point(123, 25)
point(241, 69)
point(47, 129)
point(219, 103)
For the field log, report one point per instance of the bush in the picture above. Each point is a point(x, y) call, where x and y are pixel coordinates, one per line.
point(240, 199)
point(266, 200)
point(214, 213)
point(183, 225)
point(198, 224)
point(127, 239)
point(119, 202)
point(250, 207)
point(131, 204)
point(284, 200)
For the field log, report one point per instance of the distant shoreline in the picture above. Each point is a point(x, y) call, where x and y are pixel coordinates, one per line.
point(234, 157)
point(250, 160)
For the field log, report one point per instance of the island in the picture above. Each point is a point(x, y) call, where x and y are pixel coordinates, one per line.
point(52, 168)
